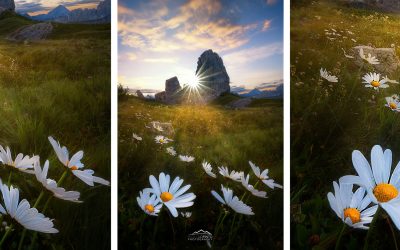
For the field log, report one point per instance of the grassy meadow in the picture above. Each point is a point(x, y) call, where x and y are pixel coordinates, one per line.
point(221, 136)
point(330, 120)
point(60, 87)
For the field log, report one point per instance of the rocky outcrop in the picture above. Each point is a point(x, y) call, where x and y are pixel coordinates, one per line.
point(160, 96)
point(33, 32)
point(214, 83)
point(388, 60)
point(140, 94)
point(211, 69)
point(172, 86)
point(7, 5)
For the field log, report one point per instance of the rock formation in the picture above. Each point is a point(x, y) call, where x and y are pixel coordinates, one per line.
point(7, 5)
point(214, 83)
point(33, 32)
point(211, 69)
point(172, 93)
point(140, 94)
point(388, 61)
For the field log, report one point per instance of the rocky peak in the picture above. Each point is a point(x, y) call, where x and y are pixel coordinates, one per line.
point(213, 72)
point(7, 5)
point(172, 86)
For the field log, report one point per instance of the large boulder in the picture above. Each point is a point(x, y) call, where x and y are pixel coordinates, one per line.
point(160, 96)
point(211, 70)
point(140, 94)
point(7, 5)
point(33, 32)
point(388, 60)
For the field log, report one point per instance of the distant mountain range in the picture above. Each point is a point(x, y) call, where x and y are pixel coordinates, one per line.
point(60, 14)
point(273, 90)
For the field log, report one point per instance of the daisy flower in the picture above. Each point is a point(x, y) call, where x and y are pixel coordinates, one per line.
point(171, 151)
point(148, 202)
point(172, 196)
point(263, 176)
point(160, 139)
point(382, 187)
point(21, 162)
point(22, 212)
point(186, 158)
point(136, 137)
point(186, 214)
point(232, 201)
point(393, 104)
point(373, 80)
point(251, 188)
point(236, 176)
point(208, 169)
point(370, 59)
point(51, 185)
point(326, 75)
point(386, 79)
point(75, 164)
point(157, 127)
point(351, 207)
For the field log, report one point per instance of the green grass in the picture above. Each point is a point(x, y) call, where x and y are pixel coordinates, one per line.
point(330, 120)
point(220, 136)
point(60, 87)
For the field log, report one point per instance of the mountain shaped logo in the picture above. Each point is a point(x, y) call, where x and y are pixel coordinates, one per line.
point(201, 235)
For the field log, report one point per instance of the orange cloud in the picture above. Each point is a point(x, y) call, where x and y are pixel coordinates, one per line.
point(266, 25)
point(197, 24)
point(271, 2)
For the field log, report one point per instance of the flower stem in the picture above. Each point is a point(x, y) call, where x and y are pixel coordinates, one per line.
point(339, 238)
point(371, 228)
point(21, 241)
point(5, 236)
point(219, 226)
point(173, 230)
point(393, 234)
point(46, 205)
point(9, 179)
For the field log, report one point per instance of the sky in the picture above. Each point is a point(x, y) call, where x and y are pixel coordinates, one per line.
point(159, 39)
point(36, 7)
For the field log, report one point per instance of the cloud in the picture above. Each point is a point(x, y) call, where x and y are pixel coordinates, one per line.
point(132, 56)
point(194, 25)
point(44, 6)
point(271, 2)
point(160, 60)
point(266, 25)
point(245, 56)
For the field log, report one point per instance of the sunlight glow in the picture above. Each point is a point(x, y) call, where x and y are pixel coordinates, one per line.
point(194, 83)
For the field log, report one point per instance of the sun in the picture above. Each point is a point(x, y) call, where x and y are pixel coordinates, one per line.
point(194, 82)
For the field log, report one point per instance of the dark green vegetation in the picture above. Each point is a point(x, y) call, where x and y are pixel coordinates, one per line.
point(223, 137)
point(330, 120)
point(60, 87)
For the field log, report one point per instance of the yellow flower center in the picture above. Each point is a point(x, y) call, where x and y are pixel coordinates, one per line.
point(353, 214)
point(74, 168)
point(385, 192)
point(393, 105)
point(166, 196)
point(149, 208)
point(162, 140)
point(375, 84)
